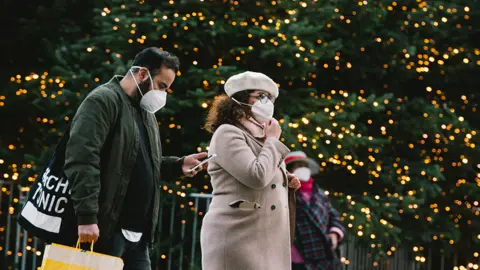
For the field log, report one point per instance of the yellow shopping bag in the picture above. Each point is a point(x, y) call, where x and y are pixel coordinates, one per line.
point(59, 257)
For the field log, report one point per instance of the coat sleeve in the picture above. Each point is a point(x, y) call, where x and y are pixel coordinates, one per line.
point(237, 158)
point(335, 225)
point(172, 167)
point(88, 132)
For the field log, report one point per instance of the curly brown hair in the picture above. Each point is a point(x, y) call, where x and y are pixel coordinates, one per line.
point(224, 110)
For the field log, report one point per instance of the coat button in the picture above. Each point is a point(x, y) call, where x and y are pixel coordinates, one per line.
point(274, 186)
point(273, 207)
point(284, 184)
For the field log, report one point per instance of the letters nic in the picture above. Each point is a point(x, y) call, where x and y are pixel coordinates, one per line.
point(47, 199)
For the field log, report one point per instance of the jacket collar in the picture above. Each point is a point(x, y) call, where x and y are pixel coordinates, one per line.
point(253, 127)
point(114, 84)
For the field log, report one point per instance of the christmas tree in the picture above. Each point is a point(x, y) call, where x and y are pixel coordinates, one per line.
point(381, 93)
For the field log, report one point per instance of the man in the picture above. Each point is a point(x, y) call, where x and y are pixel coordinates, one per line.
point(318, 226)
point(114, 159)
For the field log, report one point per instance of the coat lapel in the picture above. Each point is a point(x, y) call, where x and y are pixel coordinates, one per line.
point(150, 122)
point(256, 134)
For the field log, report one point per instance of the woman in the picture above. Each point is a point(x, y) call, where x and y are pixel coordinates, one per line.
point(318, 227)
point(247, 226)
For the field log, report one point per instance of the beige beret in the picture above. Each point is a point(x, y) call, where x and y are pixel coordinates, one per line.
point(250, 80)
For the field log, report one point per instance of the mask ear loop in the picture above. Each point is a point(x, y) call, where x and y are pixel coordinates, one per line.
point(254, 122)
point(133, 75)
point(241, 103)
point(150, 77)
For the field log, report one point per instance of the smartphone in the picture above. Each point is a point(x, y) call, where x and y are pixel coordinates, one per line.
point(203, 162)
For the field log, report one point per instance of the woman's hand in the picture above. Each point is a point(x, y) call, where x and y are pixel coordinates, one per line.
point(293, 181)
point(273, 129)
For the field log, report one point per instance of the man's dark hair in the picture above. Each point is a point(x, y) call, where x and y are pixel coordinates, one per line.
point(154, 58)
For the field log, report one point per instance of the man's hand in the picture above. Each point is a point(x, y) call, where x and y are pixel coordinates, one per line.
point(334, 239)
point(88, 233)
point(191, 161)
point(293, 181)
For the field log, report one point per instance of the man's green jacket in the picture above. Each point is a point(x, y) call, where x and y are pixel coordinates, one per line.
point(100, 154)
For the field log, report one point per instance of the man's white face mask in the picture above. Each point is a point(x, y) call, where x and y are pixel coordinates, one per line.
point(153, 100)
point(303, 173)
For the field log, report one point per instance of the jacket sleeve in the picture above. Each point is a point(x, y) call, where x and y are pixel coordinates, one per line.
point(235, 156)
point(172, 168)
point(88, 132)
point(336, 225)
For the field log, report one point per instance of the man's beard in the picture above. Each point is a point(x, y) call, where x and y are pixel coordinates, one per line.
point(144, 88)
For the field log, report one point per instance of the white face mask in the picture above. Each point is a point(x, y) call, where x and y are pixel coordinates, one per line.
point(263, 112)
point(154, 99)
point(303, 174)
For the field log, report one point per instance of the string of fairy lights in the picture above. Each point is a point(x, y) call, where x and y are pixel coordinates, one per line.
point(422, 62)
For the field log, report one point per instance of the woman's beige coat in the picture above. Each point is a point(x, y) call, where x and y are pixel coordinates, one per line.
point(251, 170)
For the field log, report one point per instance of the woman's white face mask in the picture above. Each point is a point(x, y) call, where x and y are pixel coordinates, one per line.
point(154, 99)
point(262, 111)
point(303, 173)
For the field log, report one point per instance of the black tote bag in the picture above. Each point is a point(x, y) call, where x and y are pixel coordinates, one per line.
point(48, 211)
